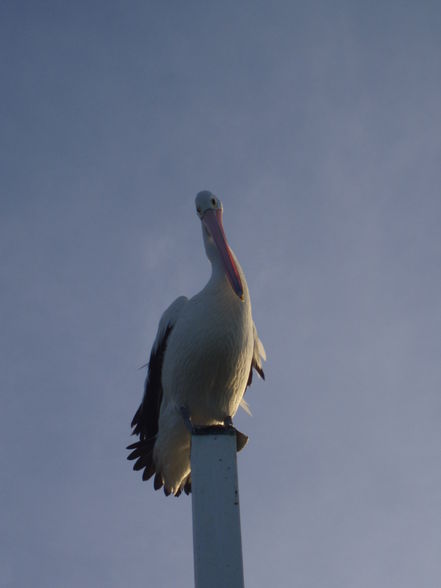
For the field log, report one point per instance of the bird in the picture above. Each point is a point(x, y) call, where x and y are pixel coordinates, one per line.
point(200, 365)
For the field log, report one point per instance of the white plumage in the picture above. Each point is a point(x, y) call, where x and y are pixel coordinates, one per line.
point(201, 361)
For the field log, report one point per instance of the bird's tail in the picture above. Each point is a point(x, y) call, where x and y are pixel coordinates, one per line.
point(142, 452)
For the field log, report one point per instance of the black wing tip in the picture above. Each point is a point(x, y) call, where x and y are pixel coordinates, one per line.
point(148, 472)
point(142, 452)
point(259, 370)
point(145, 420)
point(158, 483)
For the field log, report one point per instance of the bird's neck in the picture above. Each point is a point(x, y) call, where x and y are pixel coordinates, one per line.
point(219, 282)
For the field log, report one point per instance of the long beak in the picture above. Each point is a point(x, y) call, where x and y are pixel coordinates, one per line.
point(212, 219)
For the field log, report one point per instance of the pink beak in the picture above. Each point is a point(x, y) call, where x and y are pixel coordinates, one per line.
point(212, 219)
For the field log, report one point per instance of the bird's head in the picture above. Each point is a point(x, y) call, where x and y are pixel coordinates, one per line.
point(209, 210)
point(206, 201)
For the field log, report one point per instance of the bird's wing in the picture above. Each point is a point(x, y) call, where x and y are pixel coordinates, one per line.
point(258, 355)
point(256, 364)
point(145, 421)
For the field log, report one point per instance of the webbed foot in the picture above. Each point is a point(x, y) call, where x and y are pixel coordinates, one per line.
point(185, 413)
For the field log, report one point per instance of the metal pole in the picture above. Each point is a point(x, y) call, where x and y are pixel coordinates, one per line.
point(217, 541)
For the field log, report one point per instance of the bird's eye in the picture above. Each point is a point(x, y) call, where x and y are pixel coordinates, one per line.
point(213, 201)
point(198, 209)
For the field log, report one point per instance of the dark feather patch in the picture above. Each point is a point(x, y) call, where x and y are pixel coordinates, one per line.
point(250, 377)
point(148, 472)
point(258, 369)
point(141, 448)
point(143, 461)
point(187, 486)
point(158, 481)
point(145, 421)
point(132, 446)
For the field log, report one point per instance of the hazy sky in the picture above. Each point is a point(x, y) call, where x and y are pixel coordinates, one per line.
point(319, 126)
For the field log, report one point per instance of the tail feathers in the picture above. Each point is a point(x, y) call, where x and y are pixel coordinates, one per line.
point(158, 482)
point(148, 472)
point(142, 452)
point(187, 486)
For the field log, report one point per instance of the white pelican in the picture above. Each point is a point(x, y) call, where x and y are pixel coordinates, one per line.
point(200, 365)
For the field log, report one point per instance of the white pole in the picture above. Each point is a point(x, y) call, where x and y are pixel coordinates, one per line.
point(217, 542)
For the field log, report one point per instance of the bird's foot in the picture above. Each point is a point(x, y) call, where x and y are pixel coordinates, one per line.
point(223, 427)
point(227, 427)
point(185, 413)
point(228, 422)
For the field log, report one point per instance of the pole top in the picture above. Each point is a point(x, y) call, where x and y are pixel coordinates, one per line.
point(221, 431)
point(214, 430)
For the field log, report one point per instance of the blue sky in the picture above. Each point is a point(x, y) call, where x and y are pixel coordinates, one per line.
point(318, 126)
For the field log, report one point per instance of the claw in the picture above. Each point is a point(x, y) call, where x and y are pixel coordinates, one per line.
point(228, 422)
point(185, 413)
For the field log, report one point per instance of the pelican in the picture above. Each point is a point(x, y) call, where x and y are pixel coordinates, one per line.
point(201, 363)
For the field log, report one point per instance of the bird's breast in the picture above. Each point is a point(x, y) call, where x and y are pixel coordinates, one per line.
point(208, 359)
